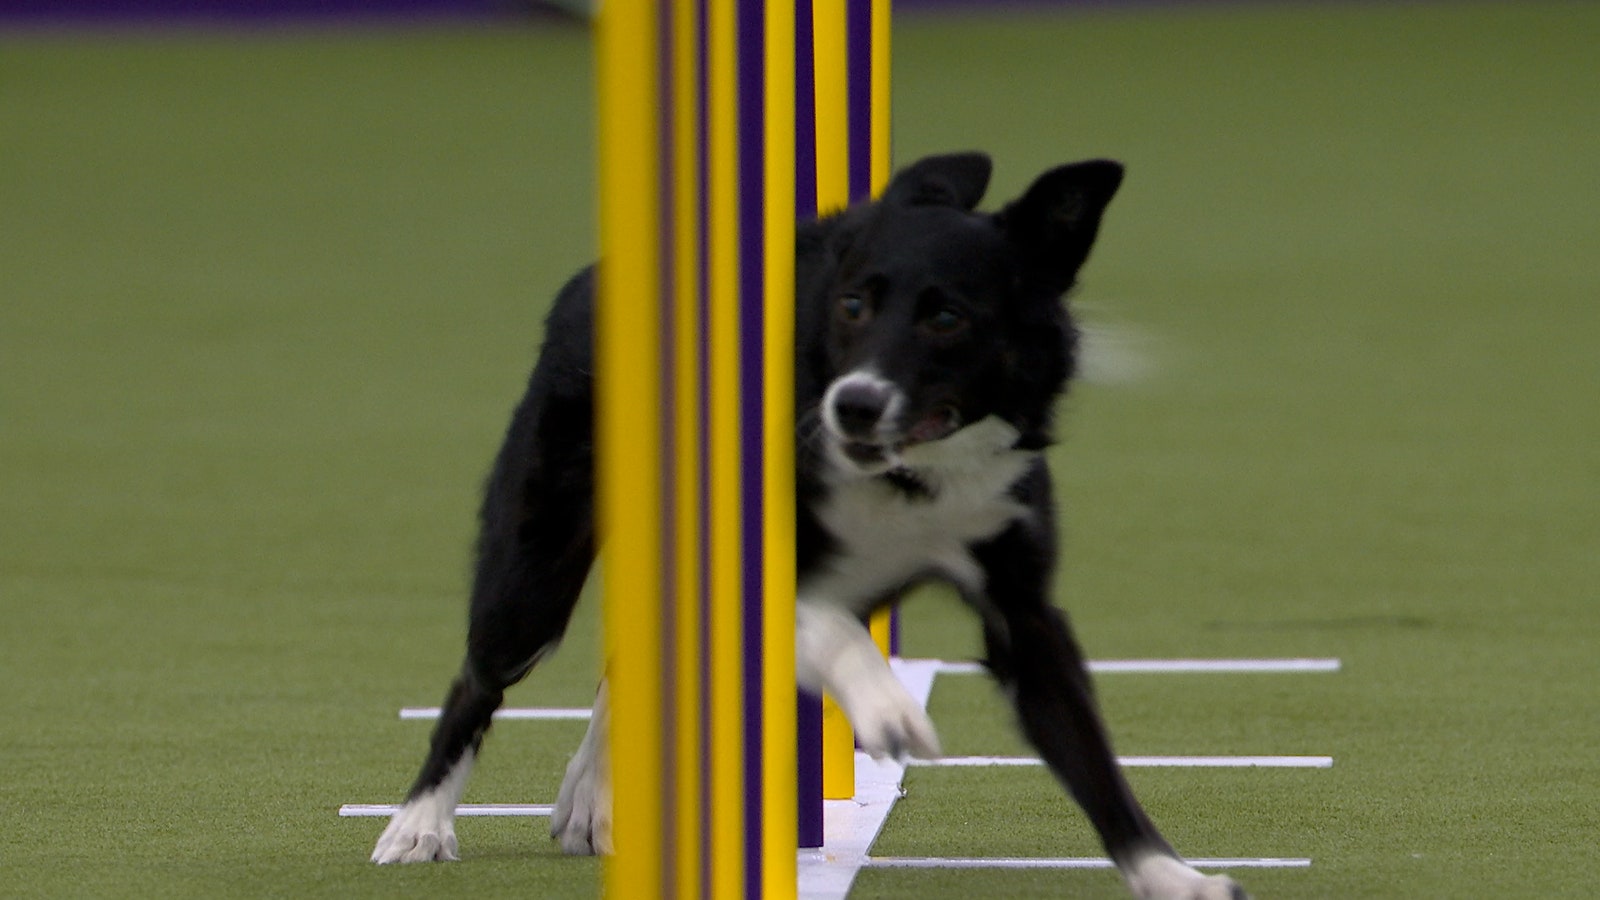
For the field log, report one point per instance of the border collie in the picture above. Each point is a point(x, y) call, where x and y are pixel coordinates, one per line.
point(932, 344)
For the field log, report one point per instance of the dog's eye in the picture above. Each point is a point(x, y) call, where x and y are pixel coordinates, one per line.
point(852, 309)
point(946, 321)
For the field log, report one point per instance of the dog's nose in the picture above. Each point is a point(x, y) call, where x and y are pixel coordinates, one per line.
point(859, 407)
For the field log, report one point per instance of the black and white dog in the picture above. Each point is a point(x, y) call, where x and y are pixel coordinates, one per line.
point(932, 344)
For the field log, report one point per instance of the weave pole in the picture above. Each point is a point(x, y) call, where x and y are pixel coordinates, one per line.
point(695, 347)
point(850, 43)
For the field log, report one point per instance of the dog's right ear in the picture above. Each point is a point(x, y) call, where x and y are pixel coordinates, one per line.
point(952, 179)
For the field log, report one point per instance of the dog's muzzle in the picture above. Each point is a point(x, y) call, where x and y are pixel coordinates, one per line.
point(863, 415)
point(860, 408)
point(858, 412)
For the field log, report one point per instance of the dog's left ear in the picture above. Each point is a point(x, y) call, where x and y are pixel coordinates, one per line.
point(1054, 223)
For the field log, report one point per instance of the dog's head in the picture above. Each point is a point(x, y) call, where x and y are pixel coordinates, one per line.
point(933, 316)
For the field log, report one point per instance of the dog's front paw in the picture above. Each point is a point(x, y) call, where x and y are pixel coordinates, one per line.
point(1159, 877)
point(421, 831)
point(889, 723)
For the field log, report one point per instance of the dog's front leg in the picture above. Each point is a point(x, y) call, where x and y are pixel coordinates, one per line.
point(582, 817)
point(834, 653)
point(424, 829)
point(1033, 653)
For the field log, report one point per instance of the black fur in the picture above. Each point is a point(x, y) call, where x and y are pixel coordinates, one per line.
point(962, 313)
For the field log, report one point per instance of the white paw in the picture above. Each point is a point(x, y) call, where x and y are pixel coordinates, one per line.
point(422, 831)
point(582, 817)
point(1159, 877)
point(835, 653)
point(887, 721)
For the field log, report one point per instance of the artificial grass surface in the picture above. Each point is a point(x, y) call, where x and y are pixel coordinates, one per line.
point(267, 297)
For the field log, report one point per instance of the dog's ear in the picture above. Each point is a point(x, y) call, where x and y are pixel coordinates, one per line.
point(1053, 224)
point(953, 179)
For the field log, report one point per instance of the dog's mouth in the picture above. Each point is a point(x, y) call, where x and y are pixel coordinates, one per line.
point(937, 424)
point(865, 455)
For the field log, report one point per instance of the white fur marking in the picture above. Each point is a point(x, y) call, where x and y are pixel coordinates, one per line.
point(886, 538)
point(582, 818)
point(835, 653)
point(424, 828)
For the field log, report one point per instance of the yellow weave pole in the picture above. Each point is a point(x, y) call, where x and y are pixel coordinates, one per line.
point(881, 159)
point(694, 381)
point(726, 701)
point(830, 53)
point(878, 179)
point(779, 764)
point(851, 53)
point(687, 779)
point(629, 418)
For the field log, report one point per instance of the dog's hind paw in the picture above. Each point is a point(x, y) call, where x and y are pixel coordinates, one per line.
point(582, 817)
point(1159, 877)
point(422, 831)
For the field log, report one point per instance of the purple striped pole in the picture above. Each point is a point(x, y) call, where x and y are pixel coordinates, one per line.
point(696, 348)
point(808, 707)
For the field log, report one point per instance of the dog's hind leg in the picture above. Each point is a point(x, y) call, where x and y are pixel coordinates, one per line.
point(1034, 655)
point(535, 549)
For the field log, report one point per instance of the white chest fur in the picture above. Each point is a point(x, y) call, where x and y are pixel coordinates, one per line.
point(886, 537)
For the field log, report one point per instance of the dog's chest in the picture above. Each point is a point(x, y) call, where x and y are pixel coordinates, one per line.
point(886, 534)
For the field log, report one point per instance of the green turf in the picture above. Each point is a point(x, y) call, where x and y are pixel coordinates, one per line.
point(266, 298)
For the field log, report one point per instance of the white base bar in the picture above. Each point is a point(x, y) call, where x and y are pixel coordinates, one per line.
point(510, 712)
point(465, 809)
point(1198, 762)
point(850, 826)
point(1098, 666)
point(1227, 762)
point(1170, 666)
point(930, 862)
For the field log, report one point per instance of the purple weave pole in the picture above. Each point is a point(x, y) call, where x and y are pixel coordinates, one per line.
point(808, 707)
point(752, 350)
point(858, 55)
